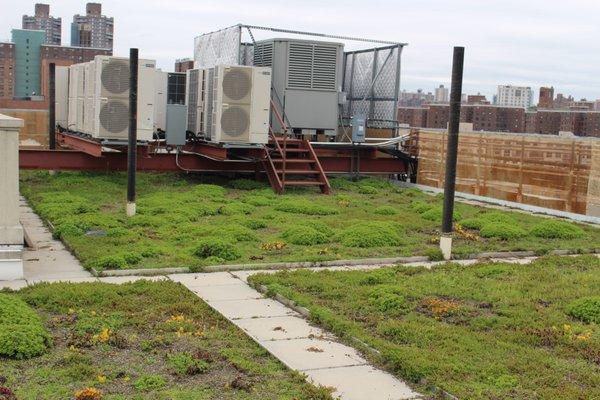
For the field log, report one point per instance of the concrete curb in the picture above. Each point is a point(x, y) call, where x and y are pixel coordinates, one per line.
point(324, 264)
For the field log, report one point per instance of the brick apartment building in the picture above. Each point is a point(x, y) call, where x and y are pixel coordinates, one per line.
point(64, 56)
point(42, 20)
point(546, 97)
point(7, 70)
point(505, 119)
point(184, 64)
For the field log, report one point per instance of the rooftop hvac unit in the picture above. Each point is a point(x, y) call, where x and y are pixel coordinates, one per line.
point(194, 99)
point(160, 100)
point(170, 89)
point(62, 95)
point(237, 104)
point(307, 78)
point(111, 98)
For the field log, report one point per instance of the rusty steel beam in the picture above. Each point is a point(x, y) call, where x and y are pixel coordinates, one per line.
point(115, 161)
point(87, 146)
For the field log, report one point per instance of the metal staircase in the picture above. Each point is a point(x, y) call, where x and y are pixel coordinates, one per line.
point(292, 162)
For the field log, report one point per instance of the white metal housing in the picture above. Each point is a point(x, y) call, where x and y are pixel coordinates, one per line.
point(237, 104)
point(62, 96)
point(99, 98)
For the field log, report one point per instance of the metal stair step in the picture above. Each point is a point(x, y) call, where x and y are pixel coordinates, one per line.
point(299, 171)
point(302, 183)
point(294, 160)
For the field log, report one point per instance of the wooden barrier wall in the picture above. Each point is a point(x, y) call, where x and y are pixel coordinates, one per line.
point(561, 173)
point(35, 128)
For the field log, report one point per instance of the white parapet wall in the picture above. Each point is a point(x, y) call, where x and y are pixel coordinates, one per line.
point(11, 231)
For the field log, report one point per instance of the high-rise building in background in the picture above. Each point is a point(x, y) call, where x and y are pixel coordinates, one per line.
point(442, 94)
point(597, 105)
point(477, 99)
point(43, 21)
point(514, 96)
point(183, 64)
point(27, 61)
point(562, 101)
point(546, 100)
point(415, 99)
point(92, 29)
point(7, 70)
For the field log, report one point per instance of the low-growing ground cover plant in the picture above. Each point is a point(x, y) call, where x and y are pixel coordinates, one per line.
point(145, 340)
point(483, 331)
point(187, 221)
point(22, 334)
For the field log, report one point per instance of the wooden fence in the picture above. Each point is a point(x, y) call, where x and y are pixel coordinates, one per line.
point(561, 173)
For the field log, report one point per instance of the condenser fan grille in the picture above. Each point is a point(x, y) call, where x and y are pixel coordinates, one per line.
point(237, 84)
point(114, 116)
point(115, 76)
point(235, 121)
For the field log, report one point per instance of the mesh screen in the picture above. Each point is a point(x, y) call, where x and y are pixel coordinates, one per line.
point(371, 83)
point(220, 47)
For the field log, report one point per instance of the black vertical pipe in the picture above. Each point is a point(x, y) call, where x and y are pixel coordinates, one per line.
point(52, 106)
point(132, 145)
point(455, 99)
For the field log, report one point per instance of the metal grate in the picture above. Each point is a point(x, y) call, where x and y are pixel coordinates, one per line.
point(115, 77)
point(237, 85)
point(114, 116)
point(210, 90)
point(193, 101)
point(235, 122)
point(300, 66)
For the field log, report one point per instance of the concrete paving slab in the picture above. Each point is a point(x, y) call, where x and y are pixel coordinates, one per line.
point(128, 279)
point(243, 275)
point(307, 354)
point(362, 382)
point(13, 285)
point(70, 280)
point(280, 328)
point(57, 276)
point(204, 279)
point(237, 291)
point(261, 308)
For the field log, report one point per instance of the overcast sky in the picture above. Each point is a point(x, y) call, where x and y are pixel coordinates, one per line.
point(521, 42)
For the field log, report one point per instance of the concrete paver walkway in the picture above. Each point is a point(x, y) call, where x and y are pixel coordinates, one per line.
point(49, 259)
point(292, 340)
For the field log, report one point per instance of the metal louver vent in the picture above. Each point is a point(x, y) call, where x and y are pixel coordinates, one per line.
point(210, 125)
point(312, 66)
point(115, 76)
point(324, 67)
point(300, 66)
point(235, 122)
point(193, 101)
point(237, 84)
point(114, 116)
point(263, 55)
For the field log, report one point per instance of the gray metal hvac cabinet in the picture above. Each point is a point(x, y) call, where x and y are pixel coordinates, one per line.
point(307, 79)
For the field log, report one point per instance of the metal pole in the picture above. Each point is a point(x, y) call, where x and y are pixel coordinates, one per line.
point(452, 152)
point(52, 106)
point(132, 145)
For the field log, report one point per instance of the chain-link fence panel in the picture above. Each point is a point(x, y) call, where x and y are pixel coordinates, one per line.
point(220, 47)
point(372, 83)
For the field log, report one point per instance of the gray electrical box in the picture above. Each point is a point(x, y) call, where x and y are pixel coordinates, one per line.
point(307, 78)
point(359, 128)
point(176, 124)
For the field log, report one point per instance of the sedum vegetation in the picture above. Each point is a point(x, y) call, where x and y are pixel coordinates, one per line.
point(484, 331)
point(139, 341)
point(22, 334)
point(186, 221)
